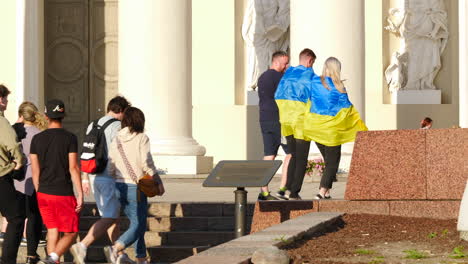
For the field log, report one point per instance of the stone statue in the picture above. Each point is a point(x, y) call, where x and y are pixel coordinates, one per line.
point(423, 29)
point(265, 29)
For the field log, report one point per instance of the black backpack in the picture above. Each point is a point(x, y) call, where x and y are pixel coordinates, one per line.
point(93, 157)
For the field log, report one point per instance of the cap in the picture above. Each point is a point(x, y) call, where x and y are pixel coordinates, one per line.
point(55, 108)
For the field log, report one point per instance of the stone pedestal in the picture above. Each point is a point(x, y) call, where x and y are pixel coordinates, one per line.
point(252, 98)
point(417, 97)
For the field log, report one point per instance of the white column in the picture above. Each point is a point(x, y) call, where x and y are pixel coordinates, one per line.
point(155, 71)
point(29, 52)
point(463, 56)
point(332, 28)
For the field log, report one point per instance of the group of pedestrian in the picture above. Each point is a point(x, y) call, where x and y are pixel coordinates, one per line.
point(40, 176)
point(303, 107)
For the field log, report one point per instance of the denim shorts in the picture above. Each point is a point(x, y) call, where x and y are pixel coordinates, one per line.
point(271, 133)
point(106, 197)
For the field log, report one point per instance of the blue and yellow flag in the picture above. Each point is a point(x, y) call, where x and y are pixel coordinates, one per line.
point(292, 98)
point(331, 120)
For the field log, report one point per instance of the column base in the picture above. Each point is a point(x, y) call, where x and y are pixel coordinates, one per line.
point(191, 165)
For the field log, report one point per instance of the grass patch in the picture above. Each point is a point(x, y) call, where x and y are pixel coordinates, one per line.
point(458, 253)
point(364, 251)
point(377, 260)
point(432, 235)
point(414, 254)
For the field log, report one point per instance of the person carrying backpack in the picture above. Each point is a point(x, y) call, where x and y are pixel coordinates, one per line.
point(99, 136)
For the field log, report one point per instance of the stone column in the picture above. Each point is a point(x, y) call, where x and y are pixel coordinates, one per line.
point(155, 74)
point(29, 52)
point(332, 28)
point(463, 70)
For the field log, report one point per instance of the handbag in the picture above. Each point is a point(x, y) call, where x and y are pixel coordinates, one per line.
point(146, 184)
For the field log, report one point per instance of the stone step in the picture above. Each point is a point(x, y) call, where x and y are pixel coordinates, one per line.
point(196, 238)
point(172, 223)
point(158, 254)
point(180, 209)
point(195, 223)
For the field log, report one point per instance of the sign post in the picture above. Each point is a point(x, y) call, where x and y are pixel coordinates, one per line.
point(241, 174)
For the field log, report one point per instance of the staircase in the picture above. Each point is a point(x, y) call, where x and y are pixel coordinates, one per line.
point(175, 230)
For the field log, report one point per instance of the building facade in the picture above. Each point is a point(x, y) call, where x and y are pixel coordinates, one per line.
point(183, 62)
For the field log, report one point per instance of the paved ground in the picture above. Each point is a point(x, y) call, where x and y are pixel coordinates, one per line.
point(190, 189)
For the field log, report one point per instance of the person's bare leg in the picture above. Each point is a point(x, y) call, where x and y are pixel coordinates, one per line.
point(4, 224)
point(272, 157)
point(284, 171)
point(113, 231)
point(65, 242)
point(97, 230)
point(52, 239)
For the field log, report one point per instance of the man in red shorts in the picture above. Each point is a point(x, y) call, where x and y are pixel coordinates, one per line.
point(55, 171)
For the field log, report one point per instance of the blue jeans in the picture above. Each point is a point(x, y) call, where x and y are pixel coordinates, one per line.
point(136, 211)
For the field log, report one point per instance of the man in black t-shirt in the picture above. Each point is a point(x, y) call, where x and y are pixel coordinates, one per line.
point(269, 119)
point(55, 170)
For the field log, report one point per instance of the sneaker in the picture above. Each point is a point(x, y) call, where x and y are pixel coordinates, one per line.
point(124, 259)
point(42, 243)
point(319, 197)
point(24, 242)
point(30, 260)
point(111, 256)
point(269, 197)
point(295, 198)
point(48, 260)
point(79, 253)
point(282, 195)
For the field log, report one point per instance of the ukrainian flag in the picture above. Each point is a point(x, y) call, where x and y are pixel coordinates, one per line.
point(332, 119)
point(292, 98)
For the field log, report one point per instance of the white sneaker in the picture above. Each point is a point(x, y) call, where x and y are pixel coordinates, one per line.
point(111, 256)
point(124, 259)
point(79, 253)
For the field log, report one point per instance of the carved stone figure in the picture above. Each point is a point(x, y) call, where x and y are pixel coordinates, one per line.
point(265, 29)
point(422, 25)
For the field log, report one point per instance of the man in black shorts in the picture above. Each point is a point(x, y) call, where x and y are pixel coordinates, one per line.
point(269, 118)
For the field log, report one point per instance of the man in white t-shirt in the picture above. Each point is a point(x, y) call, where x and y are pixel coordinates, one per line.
point(103, 185)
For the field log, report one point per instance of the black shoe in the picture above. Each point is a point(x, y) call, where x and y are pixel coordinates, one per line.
point(327, 197)
point(295, 197)
point(30, 260)
point(281, 195)
point(269, 197)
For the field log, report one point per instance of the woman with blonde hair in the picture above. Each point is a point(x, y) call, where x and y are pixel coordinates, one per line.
point(30, 123)
point(331, 122)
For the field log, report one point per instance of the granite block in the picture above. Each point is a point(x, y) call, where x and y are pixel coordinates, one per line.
point(426, 209)
point(268, 213)
point(355, 207)
point(388, 165)
point(446, 163)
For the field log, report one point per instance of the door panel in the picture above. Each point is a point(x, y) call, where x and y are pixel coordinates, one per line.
point(66, 59)
point(103, 82)
point(81, 58)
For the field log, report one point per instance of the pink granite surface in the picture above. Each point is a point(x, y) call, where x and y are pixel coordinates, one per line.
point(354, 207)
point(427, 209)
point(388, 165)
point(446, 163)
point(269, 213)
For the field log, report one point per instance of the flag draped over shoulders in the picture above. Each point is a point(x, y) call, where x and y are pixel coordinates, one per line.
point(292, 98)
point(332, 119)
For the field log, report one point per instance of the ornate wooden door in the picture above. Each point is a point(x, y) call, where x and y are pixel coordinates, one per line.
point(81, 58)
